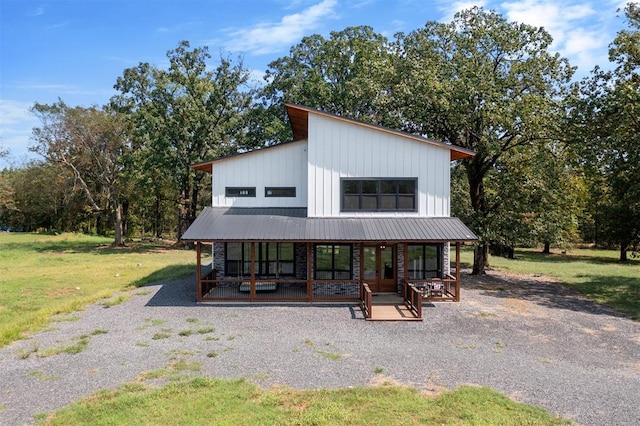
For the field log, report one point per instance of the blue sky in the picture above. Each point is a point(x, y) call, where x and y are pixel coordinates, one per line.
point(76, 49)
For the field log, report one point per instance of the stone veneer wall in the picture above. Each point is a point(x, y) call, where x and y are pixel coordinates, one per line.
point(300, 250)
point(218, 259)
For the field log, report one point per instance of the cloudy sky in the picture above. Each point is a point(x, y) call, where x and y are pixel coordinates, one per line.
point(76, 49)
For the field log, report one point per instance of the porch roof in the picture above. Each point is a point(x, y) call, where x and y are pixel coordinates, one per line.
point(292, 224)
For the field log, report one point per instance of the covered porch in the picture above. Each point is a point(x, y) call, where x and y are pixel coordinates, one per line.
point(280, 255)
point(314, 281)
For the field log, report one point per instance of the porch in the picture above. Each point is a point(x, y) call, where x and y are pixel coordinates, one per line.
point(281, 255)
point(381, 266)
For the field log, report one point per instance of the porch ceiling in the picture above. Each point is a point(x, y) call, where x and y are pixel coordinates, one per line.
point(292, 224)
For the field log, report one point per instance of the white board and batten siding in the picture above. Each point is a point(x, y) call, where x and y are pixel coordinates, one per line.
point(279, 166)
point(340, 149)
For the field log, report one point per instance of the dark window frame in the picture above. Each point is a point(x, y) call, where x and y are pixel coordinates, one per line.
point(237, 191)
point(364, 195)
point(424, 272)
point(280, 191)
point(333, 271)
point(262, 259)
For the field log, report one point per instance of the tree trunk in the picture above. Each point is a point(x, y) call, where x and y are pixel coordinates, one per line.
point(157, 222)
point(480, 259)
point(183, 213)
point(623, 252)
point(547, 248)
point(478, 204)
point(117, 222)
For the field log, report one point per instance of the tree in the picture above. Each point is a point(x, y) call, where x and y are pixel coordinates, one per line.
point(486, 84)
point(92, 144)
point(607, 119)
point(183, 115)
point(348, 74)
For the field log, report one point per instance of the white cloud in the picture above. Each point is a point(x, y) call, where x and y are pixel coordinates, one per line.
point(269, 37)
point(16, 122)
point(63, 89)
point(580, 33)
point(558, 18)
point(14, 112)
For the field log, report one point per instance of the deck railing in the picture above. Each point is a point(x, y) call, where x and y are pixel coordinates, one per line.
point(450, 290)
point(277, 290)
point(413, 299)
point(366, 300)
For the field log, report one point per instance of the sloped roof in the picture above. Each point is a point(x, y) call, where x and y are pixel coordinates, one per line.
point(299, 119)
point(292, 224)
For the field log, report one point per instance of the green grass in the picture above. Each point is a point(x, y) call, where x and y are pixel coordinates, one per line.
point(596, 274)
point(233, 402)
point(45, 275)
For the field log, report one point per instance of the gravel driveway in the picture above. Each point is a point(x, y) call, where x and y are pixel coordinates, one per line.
point(529, 338)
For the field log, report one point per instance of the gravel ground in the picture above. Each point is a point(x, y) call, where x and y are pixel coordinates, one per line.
point(527, 337)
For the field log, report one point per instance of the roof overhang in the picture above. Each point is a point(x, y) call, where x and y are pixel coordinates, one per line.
point(292, 224)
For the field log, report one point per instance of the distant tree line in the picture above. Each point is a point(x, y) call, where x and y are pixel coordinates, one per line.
point(556, 162)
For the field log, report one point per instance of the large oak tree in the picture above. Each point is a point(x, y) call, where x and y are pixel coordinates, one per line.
point(92, 145)
point(184, 115)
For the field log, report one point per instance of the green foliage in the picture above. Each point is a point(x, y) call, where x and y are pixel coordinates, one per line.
point(606, 135)
point(92, 145)
point(182, 116)
point(240, 402)
point(348, 74)
point(479, 82)
point(489, 85)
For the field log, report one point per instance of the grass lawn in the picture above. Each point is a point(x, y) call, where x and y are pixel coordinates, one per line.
point(238, 402)
point(595, 273)
point(43, 275)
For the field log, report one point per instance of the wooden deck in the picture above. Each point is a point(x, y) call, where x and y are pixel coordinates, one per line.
point(390, 307)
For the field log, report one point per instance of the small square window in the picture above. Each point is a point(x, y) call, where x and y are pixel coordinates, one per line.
point(280, 191)
point(240, 191)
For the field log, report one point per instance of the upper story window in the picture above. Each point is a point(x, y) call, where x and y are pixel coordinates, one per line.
point(234, 191)
point(379, 194)
point(280, 191)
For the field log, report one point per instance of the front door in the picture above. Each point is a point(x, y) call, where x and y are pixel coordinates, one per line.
point(379, 267)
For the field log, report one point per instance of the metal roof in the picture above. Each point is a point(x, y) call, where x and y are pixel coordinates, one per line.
point(292, 224)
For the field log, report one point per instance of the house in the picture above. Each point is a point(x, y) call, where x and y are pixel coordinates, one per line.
point(343, 209)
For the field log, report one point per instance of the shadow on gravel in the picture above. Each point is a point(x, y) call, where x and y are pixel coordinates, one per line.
point(537, 290)
point(175, 293)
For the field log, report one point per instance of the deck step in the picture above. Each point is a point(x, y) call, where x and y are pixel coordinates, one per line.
point(394, 312)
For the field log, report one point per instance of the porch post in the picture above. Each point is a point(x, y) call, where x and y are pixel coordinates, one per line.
point(457, 299)
point(199, 271)
point(405, 264)
point(309, 273)
point(253, 272)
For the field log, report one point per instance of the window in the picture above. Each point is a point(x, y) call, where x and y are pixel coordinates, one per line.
point(333, 262)
point(379, 194)
point(280, 191)
point(272, 259)
point(425, 261)
point(232, 191)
